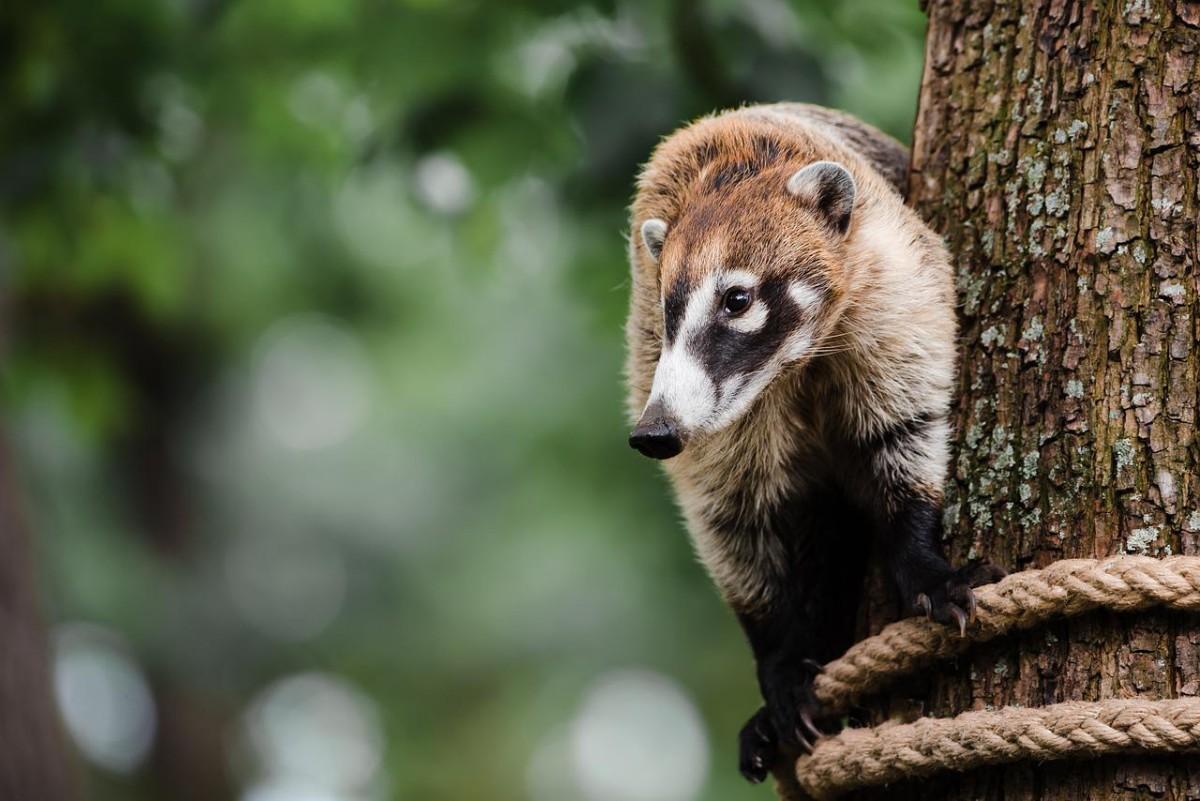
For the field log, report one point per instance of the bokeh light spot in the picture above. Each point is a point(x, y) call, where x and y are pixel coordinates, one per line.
point(444, 184)
point(315, 731)
point(103, 697)
point(312, 383)
point(638, 737)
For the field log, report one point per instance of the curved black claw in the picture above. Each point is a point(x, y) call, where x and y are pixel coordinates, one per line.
point(960, 617)
point(972, 608)
point(791, 706)
point(787, 723)
point(812, 666)
point(810, 728)
point(951, 599)
point(810, 705)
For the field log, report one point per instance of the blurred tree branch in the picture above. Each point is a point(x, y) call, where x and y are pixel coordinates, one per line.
point(34, 763)
point(696, 48)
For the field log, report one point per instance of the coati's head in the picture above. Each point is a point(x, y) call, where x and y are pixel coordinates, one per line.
point(752, 280)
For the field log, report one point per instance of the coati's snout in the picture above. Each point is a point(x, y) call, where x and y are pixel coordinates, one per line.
point(657, 435)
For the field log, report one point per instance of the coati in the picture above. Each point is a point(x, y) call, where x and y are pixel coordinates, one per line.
point(791, 340)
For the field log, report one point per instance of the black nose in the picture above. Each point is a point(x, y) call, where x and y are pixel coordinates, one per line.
point(657, 439)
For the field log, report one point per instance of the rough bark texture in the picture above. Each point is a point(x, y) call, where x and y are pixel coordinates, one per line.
point(33, 757)
point(1057, 148)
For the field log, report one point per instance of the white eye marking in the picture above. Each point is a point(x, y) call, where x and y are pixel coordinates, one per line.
point(751, 320)
point(808, 298)
point(755, 317)
point(681, 382)
point(740, 278)
point(805, 295)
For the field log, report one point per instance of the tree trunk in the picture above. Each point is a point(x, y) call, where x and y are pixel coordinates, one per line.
point(33, 757)
point(1057, 147)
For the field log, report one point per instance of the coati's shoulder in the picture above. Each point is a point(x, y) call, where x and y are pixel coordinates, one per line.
point(734, 145)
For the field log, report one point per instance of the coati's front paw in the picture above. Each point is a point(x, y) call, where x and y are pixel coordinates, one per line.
point(951, 600)
point(788, 718)
point(758, 748)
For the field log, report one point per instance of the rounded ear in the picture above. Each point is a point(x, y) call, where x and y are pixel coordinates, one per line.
point(654, 233)
point(829, 189)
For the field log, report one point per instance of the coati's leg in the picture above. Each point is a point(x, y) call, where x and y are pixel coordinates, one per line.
point(926, 583)
point(808, 620)
point(908, 469)
point(785, 655)
point(758, 747)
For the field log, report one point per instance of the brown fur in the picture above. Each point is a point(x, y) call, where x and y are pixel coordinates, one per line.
point(887, 333)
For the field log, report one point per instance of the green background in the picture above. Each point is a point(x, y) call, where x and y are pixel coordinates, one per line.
point(312, 371)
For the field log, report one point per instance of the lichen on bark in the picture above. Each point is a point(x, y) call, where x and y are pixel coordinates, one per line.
point(1057, 149)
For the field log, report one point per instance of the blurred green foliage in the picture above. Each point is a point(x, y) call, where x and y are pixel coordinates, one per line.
point(312, 322)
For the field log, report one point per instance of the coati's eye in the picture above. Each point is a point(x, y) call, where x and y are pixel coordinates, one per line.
point(736, 300)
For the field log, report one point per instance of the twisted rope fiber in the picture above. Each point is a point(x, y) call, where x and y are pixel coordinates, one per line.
point(1017, 602)
point(863, 757)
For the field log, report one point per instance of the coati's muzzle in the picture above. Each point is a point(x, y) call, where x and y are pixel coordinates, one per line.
point(657, 435)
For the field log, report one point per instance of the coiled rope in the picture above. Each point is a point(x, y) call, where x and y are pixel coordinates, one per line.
point(862, 757)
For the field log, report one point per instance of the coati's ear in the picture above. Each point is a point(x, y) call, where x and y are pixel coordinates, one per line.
point(654, 233)
point(828, 187)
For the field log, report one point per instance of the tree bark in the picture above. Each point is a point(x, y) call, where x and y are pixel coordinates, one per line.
point(1057, 148)
point(34, 763)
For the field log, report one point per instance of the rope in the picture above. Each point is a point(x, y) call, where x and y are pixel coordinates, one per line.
point(861, 757)
point(1019, 601)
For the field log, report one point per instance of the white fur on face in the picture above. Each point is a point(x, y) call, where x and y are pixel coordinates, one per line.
point(755, 317)
point(739, 392)
point(807, 298)
point(752, 320)
point(731, 278)
point(797, 346)
point(743, 393)
point(685, 388)
point(681, 383)
point(805, 295)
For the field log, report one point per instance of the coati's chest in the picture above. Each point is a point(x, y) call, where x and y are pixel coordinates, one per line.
point(796, 449)
point(783, 435)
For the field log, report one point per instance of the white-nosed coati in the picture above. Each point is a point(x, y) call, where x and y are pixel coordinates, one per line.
point(792, 354)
